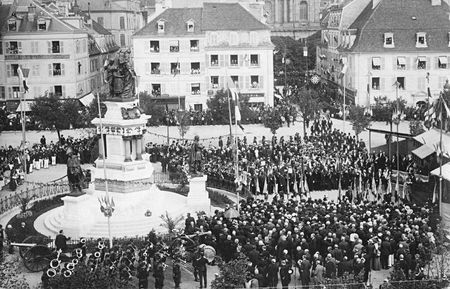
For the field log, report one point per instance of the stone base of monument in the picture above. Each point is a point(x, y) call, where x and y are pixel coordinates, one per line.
point(198, 198)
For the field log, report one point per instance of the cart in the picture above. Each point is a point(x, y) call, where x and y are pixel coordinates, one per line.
point(36, 252)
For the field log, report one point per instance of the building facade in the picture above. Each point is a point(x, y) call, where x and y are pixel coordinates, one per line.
point(389, 50)
point(189, 53)
point(121, 17)
point(57, 50)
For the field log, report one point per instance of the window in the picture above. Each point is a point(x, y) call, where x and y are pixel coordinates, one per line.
point(198, 107)
point(58, 90)
point(155, 67)
point(254, 81)
point(15, 92)
point(254, 59)
point(175, 68)
point(214, 60)
point(442, 62)
point(195, 88)
point(214, 82)
point(401, 63)
point(303, 10)
point(56, 46)
point(375, 83)
point(174, 46)
point(2, 92)
point(190, 26)
point(156, 89)
point(421, 39)
point(195, 68)
point(42, 25)
point(122, 22)
point(194, 45)
point(421, 62)
point(154, 46)
point(12, 25)
point(100, 20)
point(161, 26)
point(401, 82)
point(122, 40)
point(14, 68)
point(388, 40)
point(376, 63)
point(57, 69)
point(234, 60)
point(79, 67)
point(14, 47)
point(235, 80)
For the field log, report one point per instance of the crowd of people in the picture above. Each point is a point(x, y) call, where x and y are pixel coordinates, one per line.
point(321, 240)
point(327, 159)
point(41, 156)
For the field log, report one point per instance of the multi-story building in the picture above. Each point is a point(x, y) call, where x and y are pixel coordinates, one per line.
point(390, 48)
point(121, 17)
point(62, 53)
point(189, 53)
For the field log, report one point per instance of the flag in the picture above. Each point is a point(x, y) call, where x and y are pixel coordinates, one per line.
point(305, 51)
point(389, 186)
point(435, 197)
point(265, 186)
point(340, 190)
point(306, 186)
point(22, 79)
point(360, 185)
point(177, 69)
point(295, 183)
point(374, 187)
point(343, 71)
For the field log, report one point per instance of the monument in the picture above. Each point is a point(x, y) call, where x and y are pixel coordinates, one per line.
point(122, 201)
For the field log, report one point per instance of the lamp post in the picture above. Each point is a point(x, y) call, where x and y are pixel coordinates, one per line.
point(106, 203)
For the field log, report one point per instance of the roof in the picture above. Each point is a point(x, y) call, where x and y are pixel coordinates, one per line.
point(445, 171)
point(26, 26)
point(431, 138)
point(210, 17)
point(100, 29)
point(396, 16)
point(229, 16)
point(175, 22)
point(423, 151)
point(5, 11)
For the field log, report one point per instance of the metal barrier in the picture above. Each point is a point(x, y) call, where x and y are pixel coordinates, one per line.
point(33, 193)
point(164, 178)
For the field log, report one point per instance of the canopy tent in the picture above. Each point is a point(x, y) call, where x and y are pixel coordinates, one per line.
point(432, 137)
point(423, 151)
point(87, 99)
point(445, 171)
point(24, 106)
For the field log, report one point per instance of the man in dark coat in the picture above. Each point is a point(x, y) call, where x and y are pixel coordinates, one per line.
point(61, 241)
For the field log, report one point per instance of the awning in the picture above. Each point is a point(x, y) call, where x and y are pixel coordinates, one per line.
point(26, 106)
point(443, 59)
point(87, 99)
point(423, 151)
point(401, 61)
point(422, 58)
point(376, 61)
point(445, 171)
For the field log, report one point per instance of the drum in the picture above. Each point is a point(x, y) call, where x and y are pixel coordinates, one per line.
point(209, 253)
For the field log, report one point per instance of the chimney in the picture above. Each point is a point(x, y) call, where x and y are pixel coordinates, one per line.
point(375, 3)
point(436, 2)
point(31, 12)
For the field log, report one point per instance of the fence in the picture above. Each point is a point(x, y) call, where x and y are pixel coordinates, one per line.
point(164, 178)
point(33, 193)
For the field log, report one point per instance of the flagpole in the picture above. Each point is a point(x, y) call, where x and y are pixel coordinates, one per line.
point(24, 140)
point(398, 122)
point(440, 153)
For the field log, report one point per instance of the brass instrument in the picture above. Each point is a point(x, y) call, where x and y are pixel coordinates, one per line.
point(83, 241)
point(55, 263)
point(51, 273)
point(101, 245)
point(75, 261)
point(66, 273)
point(97, 254)
point(70, 266)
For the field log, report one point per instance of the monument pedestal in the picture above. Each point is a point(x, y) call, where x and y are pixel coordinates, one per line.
point(198, 198)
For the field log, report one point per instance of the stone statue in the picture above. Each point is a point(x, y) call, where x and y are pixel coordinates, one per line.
point(195, 156)
point(120, 76)
point(74, 172)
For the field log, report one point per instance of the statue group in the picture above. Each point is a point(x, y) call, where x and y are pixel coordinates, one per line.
point(120, 76)
point(74, 172)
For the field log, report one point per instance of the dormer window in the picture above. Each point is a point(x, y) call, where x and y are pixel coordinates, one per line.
point(42, 25)
point(12, 25)
point(190, 26)
point(421, 39)
point(161, 26)
point(388, 40)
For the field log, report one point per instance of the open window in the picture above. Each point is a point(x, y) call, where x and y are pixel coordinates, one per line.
point(190, 26)
point(234, 60)
point(161, 26)
point(174, 46)
point(175, 68)
point(401, 63)
point(194, 45)
point(442, 62)
point(155, 68)
point(376, 63)
point(154, 46)
point(421, 62)
point(12, 24)
point(235, 80)
point(254, 81)
point(214, 82)
point(421, 39)
point(214, 60)
point(375, 83)
point(389, 40)
point(401, 82)
point(195, 88)
point(254, 59)
point(195, 67)
point(42, 24)
point(156, 89)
